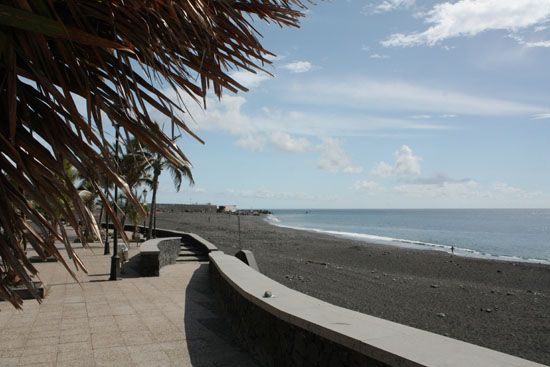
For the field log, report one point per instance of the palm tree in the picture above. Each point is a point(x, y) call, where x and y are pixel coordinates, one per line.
point(134, 164)
point(157, 164)
point(107, 57)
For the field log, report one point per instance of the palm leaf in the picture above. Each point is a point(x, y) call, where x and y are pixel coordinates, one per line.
point(110, 57)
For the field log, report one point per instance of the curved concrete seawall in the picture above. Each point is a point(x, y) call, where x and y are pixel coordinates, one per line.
point(293, 329)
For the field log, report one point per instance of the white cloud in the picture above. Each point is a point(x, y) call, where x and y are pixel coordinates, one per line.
point(361, 93)
point(334, 158)
point(252, 131)
point(382, 169)
point(446, 189)
point(387, 5)
point(274, 195)
point(506, 189)
point(366, 186)
point(167, 187)
point(379, 56)
point(543, 44)
point(471, 17)
point(225, 114)
point(252, 142)
point(497, 194)
point(541, 116)
point(353, 169)
point(529, 44)
point(249, 79)
point(275, 57)
point(298, 67)
point(439, 179)
point(285, 142)
point(406, 164)
point(229, 115)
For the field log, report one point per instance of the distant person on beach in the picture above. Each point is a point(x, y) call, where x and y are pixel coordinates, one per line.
point(453, 249)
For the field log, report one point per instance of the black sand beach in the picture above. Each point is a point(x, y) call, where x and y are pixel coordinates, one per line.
point(500, 305)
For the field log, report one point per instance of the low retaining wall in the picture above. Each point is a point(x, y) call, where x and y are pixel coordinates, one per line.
point(156, 253)
point(293, 329)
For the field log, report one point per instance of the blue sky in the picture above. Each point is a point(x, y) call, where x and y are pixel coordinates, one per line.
point(385, 104)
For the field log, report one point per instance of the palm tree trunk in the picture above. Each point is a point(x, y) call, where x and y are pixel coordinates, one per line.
point(153, 211)
point(100, 215)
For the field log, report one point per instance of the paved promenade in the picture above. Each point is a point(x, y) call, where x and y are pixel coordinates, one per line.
point(171, 320)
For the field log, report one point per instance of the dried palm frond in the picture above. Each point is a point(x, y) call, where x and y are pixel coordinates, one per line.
point(71, 68)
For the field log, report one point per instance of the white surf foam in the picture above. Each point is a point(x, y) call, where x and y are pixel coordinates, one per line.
point(374, 239)
point(272, 219)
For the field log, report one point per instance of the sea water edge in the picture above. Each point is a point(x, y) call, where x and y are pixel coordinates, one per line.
point(499, 222)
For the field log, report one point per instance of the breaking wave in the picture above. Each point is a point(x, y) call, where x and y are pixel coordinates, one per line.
point(382, 240)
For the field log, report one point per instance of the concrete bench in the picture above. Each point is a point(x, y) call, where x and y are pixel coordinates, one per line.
point(156, 253)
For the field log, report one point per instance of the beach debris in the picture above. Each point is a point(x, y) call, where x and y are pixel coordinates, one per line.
point(488, 310)
point(294, 277)
point(509, 293)
point(316, 262)
point(441, 314)
point(434, 285)
point(268, 294)
point(499, 271)
point(373, 271)
point(461, 286)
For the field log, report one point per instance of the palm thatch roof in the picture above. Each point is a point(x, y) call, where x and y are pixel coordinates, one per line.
point(69, 69)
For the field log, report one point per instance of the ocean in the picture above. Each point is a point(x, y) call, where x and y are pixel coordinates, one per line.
point(505, 234)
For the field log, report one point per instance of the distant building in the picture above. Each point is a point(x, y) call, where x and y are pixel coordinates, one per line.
point(187, 208)
point(227, 208)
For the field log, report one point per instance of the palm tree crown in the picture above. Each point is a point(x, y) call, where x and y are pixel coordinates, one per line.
point(157, 164)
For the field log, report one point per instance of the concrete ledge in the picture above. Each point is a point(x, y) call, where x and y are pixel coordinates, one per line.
point(156, 253)
point(25, 293)
point(247, 257)
point(293, 329)
point(189, 237)
point(206, 245)
point(164, 250)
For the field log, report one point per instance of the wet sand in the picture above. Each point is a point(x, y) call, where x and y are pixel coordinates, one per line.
point(499, 305)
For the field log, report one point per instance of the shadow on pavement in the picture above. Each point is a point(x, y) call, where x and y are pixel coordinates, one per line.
point(210, 340)
point(130, 269)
